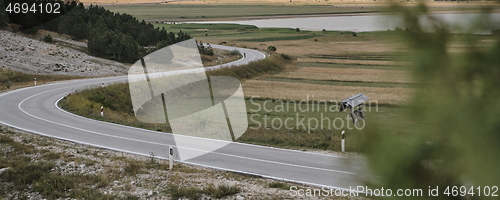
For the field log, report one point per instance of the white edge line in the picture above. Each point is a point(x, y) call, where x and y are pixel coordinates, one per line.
point(125, 79)
point(165, 133)
point(185, 162)
point(143, 141)
point(136, 153)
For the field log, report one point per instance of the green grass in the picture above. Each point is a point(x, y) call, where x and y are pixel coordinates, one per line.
point(9, 78)
point(191, 193)
point(361, 56)
point(171, 11)
point(262, 131)
point(221, 26)
point(221, 191)
point(340, 83)
point(351, 66)
point(117, 99)
point(279, 185)
point(267, 39)
point(194, 193)
point(234, 33)
point(322, 136)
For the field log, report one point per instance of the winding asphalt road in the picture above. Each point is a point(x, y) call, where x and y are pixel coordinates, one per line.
point(34, 109)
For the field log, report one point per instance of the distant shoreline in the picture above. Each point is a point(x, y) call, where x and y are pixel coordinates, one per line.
point(297, 16)
point(347, 9)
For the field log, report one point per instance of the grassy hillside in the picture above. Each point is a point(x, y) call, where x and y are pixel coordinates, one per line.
point(12, 79)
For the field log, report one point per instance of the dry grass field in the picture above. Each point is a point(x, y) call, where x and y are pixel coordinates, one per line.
point(293, 2)
point(334, 66)
point(301, 91)
point(349, 75)
point(350, 62)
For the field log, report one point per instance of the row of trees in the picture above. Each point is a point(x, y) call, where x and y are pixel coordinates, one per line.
point(110, 35)
point(115, 36)
point(4, 20)
point(32, 15)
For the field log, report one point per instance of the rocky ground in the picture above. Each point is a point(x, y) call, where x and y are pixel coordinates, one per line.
point(143, 182)
point(62, 57)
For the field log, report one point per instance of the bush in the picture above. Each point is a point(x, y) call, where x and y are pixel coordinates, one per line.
point(286, 57)
point(272, 48)
point(48, 38)
point(234, 53)
point(495, 32)
point(221, 191)
point(4, 21)
point(133, 168)
point(272, 64)
point(297, 30)
point(279, 185)
point(189, 193)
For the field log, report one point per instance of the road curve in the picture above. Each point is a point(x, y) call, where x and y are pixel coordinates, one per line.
point(34, 109)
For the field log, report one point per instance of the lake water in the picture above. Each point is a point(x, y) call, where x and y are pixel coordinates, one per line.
point(461, 22)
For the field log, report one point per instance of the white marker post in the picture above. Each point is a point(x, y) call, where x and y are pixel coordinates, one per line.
point(35, 81)
point(102, 84)
point(343, 141)
point(102, 111)
point(171, 157)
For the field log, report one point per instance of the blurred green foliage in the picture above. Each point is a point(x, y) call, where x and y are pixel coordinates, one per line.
point(4, 20)
point(456, 113)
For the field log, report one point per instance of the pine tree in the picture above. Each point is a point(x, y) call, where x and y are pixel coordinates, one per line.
point(130, 48)
point(4, 19)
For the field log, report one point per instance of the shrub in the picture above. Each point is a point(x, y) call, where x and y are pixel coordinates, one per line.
point(133, 168)
point(279, 185)
point(286, 57)
point(272, 48)
point(297, 30)
point(189, 193)
point(234, 53)
point(495, 32)
point(221, 191)
point(48, 38)
point(272, 64)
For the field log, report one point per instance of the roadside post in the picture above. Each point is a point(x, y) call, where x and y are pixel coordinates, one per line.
point(102, 84)
point(102, 111)
point(343, 141)
point(171, 157)
point(35, 81)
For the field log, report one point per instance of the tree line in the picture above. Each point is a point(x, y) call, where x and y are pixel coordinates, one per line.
point(32, 15)
point(110, 35)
